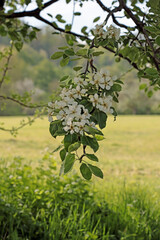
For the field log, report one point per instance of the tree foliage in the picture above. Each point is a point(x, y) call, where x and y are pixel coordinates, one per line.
point(87, 96)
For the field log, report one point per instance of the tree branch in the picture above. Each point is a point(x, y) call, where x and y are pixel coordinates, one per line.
point(21, 103)
point(32, 13)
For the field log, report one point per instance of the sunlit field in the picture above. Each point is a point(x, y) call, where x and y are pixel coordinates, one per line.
point(130, 159)
point(131, 149)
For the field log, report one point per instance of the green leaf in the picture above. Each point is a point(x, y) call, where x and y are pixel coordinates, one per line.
point(74, 147)
point(158, 40)
point(69, 139)
point(92, 157)
point(68, 162)
point(87, 104)
point(151, 71)
point(150, 93)
point(94, 131)
point(98, 53)
point(19, 45)
point(69, 52)
point(92, 142)
point(96, 19)
point(96, 171)
point(83, 30)
point(57, 149)
point(62, 154)
point(99, 138)
point(82, 52)
point(116, 88)
point(59, 18)
point(68, 27)
point(77, 68)
point(85, 171)
point(64, 62)
point(54, 127)
point(101, 118)
point(142, 86)
point(77, 13)
point(57, 55)
point(64, 78)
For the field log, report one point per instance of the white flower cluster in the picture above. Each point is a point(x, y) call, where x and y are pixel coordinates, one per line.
point(75, 117)
point(103, 103)
point(103, 79)
point(112, 32)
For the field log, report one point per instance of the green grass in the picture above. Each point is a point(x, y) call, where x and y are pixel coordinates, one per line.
point(124, 205)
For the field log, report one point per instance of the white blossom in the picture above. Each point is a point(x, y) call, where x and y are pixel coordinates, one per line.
point(70, 126)
point(60, 105)
point(61, 115)
point(99, 31)
point(96, 79)
point(81, 126)
point(94, 99)
point(113, 32)
point(79, 92)
point(80, 81)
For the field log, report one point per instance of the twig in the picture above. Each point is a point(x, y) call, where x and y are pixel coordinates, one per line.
point(21, 103)
point(6, 65)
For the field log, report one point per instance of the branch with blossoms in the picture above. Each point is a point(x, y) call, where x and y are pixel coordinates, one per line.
point(83, 106)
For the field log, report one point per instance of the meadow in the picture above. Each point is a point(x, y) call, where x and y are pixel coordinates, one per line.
point(38, 204)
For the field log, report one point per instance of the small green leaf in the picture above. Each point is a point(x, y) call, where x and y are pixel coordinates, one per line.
point(82, 52)
point(142, 86)
point(96, 171)
point(151, 71)
point(59, 18)
point(54, 127)
point(62, 154)
point(77, 68)
point(92, 157)
point(98, 53)
point(68, 27)
point(83, 30)
point(158, 40)
point(57, 55)
point(101, 118)
point(64, 78)
point(85, 171)
point(99, 138)
point(96, 19)
point(57, 149)
point(116, 88)
point(94, 131)
point(77, 13)
point(69, 139)
point(150, 93)
point(64, 62)
point(19, 45)
point(69, 52)
point(74, 147)
point(92, 142)
point(68, 162)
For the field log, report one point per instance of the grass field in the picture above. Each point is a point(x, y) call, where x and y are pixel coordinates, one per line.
point(130, 159)
point(131, 149)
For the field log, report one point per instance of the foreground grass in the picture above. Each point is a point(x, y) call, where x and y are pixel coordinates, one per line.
point(36, 204)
